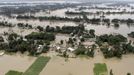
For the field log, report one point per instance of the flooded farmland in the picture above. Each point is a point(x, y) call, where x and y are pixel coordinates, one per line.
point(15, 62)
point(46, 26)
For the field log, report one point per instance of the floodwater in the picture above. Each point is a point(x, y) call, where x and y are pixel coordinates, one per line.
point(15, 62)
point(103, 29)
point(84, 66)
point(123, 29)
point(78, 66)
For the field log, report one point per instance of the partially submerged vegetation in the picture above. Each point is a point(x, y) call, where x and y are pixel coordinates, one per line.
point(34, 43)
point(43, 39)
point(131, 34)
point(84, 18)
point(81, 50)
point(14, 73)
point(100, 69)
point(114, 45)
point(76, 19)
point(37, 66)
point(34, 69)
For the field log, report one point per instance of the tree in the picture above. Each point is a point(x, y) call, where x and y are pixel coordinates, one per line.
point(12, 36)
point(128, 73)
point(80, 50)
point(92, 32)
point(61, 42)
point(58, 29)
point(40, 28)
point(70, 41)
point(111, 72)
point(1, 39)
point(41, 36)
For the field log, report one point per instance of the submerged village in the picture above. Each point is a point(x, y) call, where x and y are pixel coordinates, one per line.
point(67, 39)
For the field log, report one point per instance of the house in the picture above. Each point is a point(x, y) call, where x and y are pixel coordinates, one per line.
point(2, 53)
point(70, 49)
point(39, 48)
point(88, 44)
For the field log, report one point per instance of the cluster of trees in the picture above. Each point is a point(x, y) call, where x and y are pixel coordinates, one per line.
point(127, 21)
point(81, 50)
point(109, 12)
point(1, 39)
point(115, 51)
point(22, 25)
point(131, 34)
point(76, 19)
point(76, 13)
point(127, 48)
point(112, 39)
point(17, 43)
point(108, 21)
point(89, 34)
point(41, 36)
point(6, 24)
point(66, 29)
point(122, 12)
point(116, 45)
point(32, 9)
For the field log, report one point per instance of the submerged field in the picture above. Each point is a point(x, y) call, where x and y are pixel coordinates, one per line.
point(100, 69)
point(73, 66)
point(65, 29)
point(15, 62)
point(34, 69)
point(37, 66)
point(11, 72)
point(79, 66)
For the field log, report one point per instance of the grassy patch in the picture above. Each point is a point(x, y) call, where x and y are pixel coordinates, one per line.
point(11, 72)
point(100, 69)
point(37, 66)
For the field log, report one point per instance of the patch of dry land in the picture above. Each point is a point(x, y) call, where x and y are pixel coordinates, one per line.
point(83, 66)
point(15, 62)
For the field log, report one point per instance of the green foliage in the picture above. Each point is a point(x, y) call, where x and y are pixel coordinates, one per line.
point(11, 72)
point(24, 26)
point(12, 36)
point(128, 73)
point(111, 72)
point(41, 36)
point(61, 42)
point(112, 39)
point(45, 49)
point(40, 28)
point(1, 39)
point(116, 51)
point(80, 50)
point(92, 32)
point(100, 69)
point(128, 48)
point(37, 66)
point(131, 34)
point(3, 46)
point(70, 41)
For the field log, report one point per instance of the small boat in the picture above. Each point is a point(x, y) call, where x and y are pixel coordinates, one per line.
point(2, 53)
